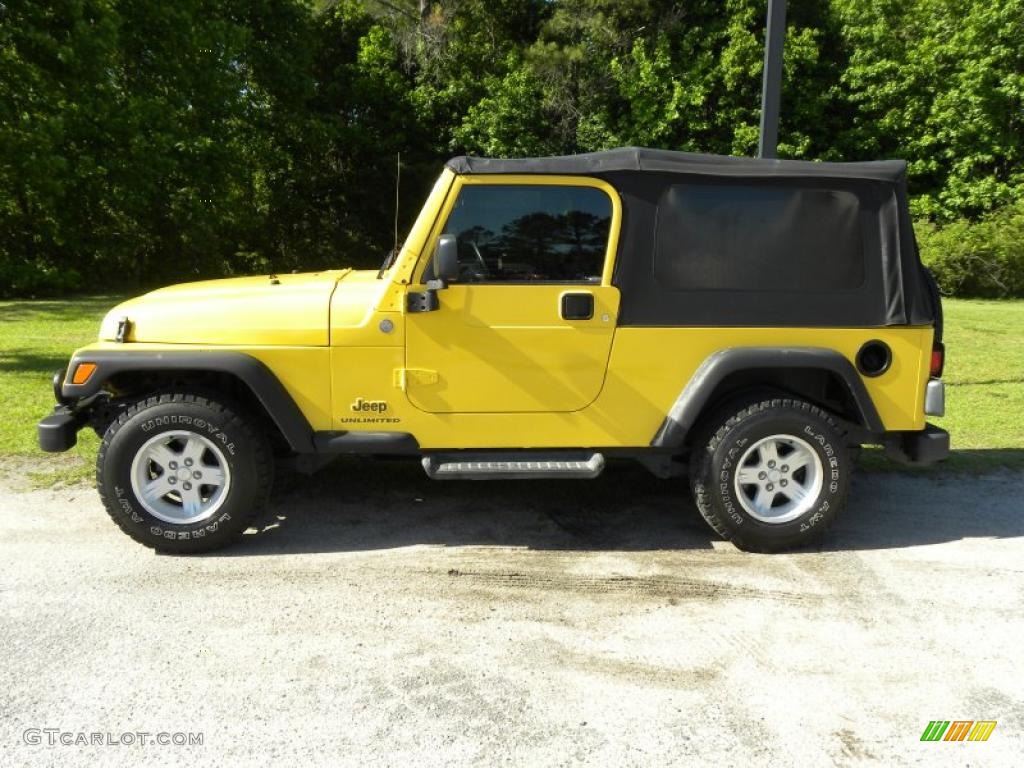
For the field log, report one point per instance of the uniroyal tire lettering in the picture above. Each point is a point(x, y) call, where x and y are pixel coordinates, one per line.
point(179, 420)
point(242, 441)
point(724, 484)
point(125, 504)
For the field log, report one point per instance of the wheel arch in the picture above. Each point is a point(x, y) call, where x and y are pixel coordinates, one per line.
point(242, 376)
point(822, 376)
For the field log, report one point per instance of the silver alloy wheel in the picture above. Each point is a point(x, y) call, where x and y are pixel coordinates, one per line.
point(779, 478)
point(180, 477)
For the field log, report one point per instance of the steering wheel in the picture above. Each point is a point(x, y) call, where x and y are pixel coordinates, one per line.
point(484, 271)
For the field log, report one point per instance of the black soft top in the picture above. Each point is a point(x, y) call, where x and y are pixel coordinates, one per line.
point(711, 240)
point(640, 159)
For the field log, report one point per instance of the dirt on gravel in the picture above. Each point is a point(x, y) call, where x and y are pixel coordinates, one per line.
point(378, 618)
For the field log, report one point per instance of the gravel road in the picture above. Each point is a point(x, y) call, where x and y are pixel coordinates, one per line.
point(382, 619)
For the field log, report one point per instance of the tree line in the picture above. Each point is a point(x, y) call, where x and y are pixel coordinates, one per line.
point(143, 142)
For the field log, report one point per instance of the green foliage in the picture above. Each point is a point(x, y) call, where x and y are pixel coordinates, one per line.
point(980, 258)
point(940, 83)
point(506, 120)
point(144, 143)
point(37, 278)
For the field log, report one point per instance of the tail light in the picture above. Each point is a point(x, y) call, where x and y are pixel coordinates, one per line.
point(938, 360)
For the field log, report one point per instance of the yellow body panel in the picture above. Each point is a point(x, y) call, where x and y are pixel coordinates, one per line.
point(356, 312)
point(504, 348)
point(401, 272)
point(647, 370)
point(495, 367)
point(500, 348)
point(268, 310)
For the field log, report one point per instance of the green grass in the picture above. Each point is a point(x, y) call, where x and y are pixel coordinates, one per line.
point(984, 375)
point(36, 338)
point(984, 383)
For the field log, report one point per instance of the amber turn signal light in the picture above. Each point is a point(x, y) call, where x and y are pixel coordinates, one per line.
point(82, 373)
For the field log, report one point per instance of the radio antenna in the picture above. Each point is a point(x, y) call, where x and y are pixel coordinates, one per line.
point(398, 182)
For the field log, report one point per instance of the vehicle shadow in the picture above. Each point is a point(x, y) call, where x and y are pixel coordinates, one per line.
point(356, 505)
point(363, 505)
point(27, 361)
point(58, 309)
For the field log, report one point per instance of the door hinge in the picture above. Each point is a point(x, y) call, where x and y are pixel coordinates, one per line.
point(424, 301)
point(404, 377)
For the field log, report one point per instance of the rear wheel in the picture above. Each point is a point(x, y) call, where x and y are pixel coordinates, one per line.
point(770, 475)
point(181, 473)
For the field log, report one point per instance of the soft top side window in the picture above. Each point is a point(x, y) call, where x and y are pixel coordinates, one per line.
point(775, 236)
point(530, 233)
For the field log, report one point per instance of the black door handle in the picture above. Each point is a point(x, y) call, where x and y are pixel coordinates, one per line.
point(577, 306)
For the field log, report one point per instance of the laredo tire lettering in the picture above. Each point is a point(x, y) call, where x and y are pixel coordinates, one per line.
point(248, 459)
point(716, 453)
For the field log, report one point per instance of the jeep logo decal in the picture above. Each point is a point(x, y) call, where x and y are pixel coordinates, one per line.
point(377, 406)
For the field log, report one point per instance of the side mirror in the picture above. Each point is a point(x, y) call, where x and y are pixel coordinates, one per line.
point(446, 258)
point(446, 267)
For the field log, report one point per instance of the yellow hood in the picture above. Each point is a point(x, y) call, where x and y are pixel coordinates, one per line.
point(279, 310)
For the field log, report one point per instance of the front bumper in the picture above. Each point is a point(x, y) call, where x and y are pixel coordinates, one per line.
point(928, 446)
point(59, 431)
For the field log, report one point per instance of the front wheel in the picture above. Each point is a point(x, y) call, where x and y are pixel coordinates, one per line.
point(771, 475)
point(181, 473)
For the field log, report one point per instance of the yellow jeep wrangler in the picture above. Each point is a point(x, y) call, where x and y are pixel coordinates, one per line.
point(746, 321)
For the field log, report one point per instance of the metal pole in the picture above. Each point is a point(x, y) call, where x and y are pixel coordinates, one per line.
point(771, 86)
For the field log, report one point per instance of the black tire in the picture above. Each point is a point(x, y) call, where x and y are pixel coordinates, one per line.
point(243, 447)
point(732, 436)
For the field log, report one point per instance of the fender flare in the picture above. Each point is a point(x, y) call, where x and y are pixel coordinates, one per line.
point(265, 386)
point(693, 399)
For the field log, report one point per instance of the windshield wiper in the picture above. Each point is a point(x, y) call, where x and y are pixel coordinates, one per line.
point(388, 261)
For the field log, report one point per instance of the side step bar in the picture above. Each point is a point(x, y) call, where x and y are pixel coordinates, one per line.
point(465, 465)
